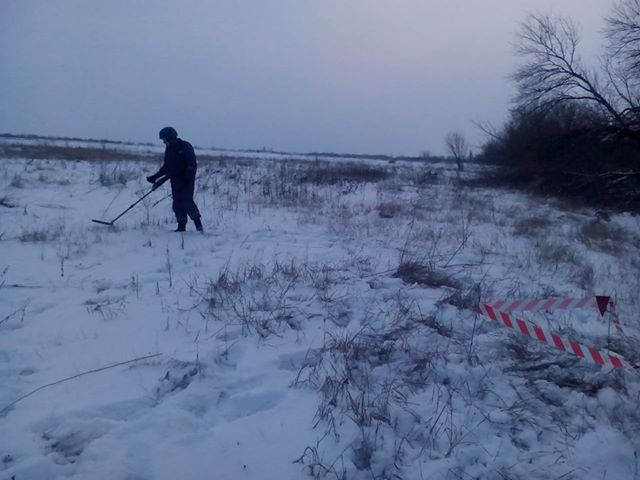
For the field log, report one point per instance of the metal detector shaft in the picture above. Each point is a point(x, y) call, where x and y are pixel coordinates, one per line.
point(155, 186)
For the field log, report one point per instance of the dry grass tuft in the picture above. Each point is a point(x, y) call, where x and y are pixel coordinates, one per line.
point(325, 173)
point(389, 209)
point(414, 272)
point(531, 226)
point(40, 234)
point(17, 181)
point(603, 236)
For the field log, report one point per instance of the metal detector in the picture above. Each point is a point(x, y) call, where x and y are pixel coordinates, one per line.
point(156, 185)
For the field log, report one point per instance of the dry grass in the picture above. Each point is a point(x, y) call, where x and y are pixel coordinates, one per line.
point(426, 178)
point(554, 253)
point(69, 153)
point(603, 236)
point(534, 226)
point(389, 209)
point(413, 272)
point(17, 181)
point(40, 234)
point(326, 173)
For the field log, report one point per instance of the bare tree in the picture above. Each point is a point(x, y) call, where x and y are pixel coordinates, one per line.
point(597, 105)
point(623, 33)
point(622, 60)
point(554, 73)
point(458, 148)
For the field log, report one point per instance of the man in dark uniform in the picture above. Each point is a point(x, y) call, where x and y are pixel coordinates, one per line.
point(180, 166)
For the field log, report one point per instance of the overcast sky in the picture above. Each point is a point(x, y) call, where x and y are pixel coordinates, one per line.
point(362, 76)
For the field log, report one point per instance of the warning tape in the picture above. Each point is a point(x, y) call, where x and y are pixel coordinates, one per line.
point(602, 303)
point(509, 306)
point(534, 331)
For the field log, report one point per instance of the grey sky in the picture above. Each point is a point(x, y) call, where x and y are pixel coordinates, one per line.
point(364, 76)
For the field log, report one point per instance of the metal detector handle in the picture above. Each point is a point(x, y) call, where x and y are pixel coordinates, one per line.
point(158, 183)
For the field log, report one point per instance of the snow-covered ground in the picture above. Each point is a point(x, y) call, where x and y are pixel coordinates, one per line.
point(322, 327)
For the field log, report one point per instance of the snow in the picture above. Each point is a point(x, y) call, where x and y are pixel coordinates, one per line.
point(284, 343)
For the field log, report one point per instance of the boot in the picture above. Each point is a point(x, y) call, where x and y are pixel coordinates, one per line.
point(198, 224)
point(182, 226)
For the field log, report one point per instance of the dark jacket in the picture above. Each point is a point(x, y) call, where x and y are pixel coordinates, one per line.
point(179, 161)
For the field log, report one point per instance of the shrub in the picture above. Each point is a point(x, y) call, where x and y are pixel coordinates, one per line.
point(566, 152)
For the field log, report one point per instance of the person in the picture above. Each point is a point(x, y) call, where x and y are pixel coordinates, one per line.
point(180, 166)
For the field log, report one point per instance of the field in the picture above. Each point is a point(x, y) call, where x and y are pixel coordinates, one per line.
point(324, 326)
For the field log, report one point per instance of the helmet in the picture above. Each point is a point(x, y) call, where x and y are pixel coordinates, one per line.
point(168, 133)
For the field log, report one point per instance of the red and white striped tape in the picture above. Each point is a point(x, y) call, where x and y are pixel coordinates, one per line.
point(509, 306)
point(531, 330)
point(602, 303)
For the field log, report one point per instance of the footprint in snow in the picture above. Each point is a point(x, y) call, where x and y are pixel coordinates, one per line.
point(178, 377)
point(239, 406)
point(65, 437)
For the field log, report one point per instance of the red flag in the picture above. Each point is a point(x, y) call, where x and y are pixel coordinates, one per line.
point(603, 303)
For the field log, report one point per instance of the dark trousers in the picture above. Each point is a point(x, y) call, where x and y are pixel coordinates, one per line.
point(183, 204)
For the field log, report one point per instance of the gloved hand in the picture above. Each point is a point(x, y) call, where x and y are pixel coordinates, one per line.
point(152, 179)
